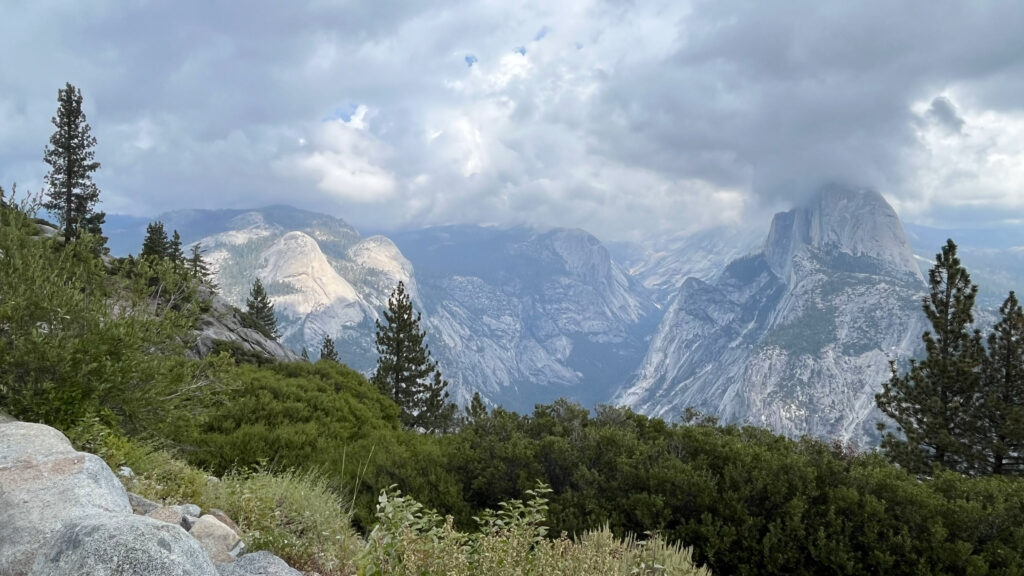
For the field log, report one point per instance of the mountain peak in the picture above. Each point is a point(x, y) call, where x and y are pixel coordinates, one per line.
point(855, 222)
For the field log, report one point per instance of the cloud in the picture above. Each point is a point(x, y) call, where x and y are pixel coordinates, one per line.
point(944, 112)
point(628, 119)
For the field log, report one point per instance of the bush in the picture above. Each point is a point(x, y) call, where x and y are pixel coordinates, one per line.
point(411, 540)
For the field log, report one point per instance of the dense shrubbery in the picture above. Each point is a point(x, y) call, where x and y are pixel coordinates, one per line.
point(76, 342)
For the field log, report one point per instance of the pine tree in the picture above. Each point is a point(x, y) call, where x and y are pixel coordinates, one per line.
point(197, 265)
point(174, 251)
point(327, 351)
point(1002, 397)
point(934, 403)
point(405, 371)
point(476, 410)
point(71, 193)
point(305, 354)
point(155, 244)
point(261, 310)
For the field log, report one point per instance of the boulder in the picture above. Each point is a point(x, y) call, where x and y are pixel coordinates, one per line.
point(44, 485)
point(141, 505)
point(217, 539)
point(258, 564)
point(122, 546)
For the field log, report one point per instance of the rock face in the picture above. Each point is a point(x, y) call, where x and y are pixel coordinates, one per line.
point(796, 337)
point(44, 485)
point(524, 316)
point(120, 546)
point(223, 323)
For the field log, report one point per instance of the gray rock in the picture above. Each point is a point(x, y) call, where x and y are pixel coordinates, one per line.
point(125, 472)
point(169, 514)
point(122, 546)
point(190, 510)
point(216, 539)
point(225, 519)
point(141, 505)
point(187, 522)
point(5, 417)
point(44, 485)
point(260, 563)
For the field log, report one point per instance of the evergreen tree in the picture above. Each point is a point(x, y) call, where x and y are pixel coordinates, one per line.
point(405, 371)
point(155, 244)
point(197, 265)
point(327, 351)
point(71, 193)
point(305, 354)
point(476, 410)
point(934, 403)
point(174, 251)
point(261, 310)
point(1002, 398)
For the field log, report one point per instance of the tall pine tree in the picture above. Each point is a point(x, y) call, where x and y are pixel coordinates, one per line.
point(405, 371)
point(1002, 398)
point(935, 403)
point(261, 310)
point(71, 193)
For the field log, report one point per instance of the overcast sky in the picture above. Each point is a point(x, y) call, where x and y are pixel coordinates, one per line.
point(624, 118)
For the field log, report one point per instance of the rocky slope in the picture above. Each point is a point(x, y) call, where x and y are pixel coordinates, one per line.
point(797, 336)
point(527, 316)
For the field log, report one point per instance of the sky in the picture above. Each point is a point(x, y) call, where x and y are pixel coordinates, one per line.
point(628, 119)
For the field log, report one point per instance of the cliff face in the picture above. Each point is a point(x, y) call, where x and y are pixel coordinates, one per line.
point(797, 336)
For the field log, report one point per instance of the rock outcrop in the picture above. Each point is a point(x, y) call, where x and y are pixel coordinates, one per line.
point(65, 513)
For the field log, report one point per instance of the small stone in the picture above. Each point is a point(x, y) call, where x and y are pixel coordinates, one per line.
point(260, 563)
point(220, 515)
point(140, 505)
point(216, 539)
point(169, 514)
point(191, 510)
point(125, 472)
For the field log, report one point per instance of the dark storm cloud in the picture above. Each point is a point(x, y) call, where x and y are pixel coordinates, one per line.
point(624, 118)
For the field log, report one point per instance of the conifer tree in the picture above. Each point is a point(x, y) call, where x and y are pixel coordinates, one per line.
point(935, 403)
point(405, 371)
point(305, 354)
point(71, 193)
point(197, 265)
point(476, 409)
point(174, 251)
point(261, 309)
point(155, 244)
point(1002, 397)
point(327, 351)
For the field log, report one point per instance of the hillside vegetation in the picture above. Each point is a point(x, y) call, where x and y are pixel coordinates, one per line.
point(315, 465)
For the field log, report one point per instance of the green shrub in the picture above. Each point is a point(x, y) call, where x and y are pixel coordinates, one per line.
point(412, 540)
